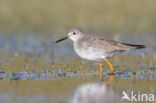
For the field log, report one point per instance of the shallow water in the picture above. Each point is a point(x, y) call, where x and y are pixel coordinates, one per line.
point(35, 70)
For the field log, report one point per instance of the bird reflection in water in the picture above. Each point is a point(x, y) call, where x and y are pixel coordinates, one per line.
point(97, 93)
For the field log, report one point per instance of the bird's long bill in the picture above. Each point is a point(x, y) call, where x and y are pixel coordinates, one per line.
point(61, 39)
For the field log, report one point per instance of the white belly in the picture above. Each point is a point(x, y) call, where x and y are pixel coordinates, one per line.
point(89, 54)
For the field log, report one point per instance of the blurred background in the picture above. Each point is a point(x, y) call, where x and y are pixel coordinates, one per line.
point(32, 66)
point(55, 16)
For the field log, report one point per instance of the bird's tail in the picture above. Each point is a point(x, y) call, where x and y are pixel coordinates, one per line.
point(134, 46)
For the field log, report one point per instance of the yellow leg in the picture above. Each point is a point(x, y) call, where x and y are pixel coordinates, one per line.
point(101, 71)
point(112, 70)
point(110, 65)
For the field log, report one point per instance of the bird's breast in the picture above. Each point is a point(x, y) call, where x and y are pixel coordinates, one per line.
point(87, 52)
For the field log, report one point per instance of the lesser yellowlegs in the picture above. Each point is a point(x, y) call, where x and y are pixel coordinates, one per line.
point(97, 48)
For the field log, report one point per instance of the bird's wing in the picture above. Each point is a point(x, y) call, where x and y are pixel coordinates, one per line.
point(105, 44)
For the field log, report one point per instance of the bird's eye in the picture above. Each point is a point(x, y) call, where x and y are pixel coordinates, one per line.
point(74, 33)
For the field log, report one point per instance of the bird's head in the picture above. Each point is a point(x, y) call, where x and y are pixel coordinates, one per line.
point(74, 34)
